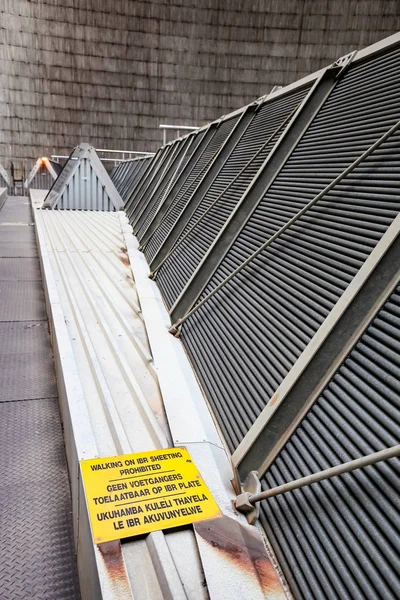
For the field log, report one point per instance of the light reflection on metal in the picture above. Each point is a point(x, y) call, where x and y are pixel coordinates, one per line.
point(41, 163)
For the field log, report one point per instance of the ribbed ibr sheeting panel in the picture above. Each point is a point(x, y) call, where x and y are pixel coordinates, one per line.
point(340, 538)
point(134, 177)
point(187, 149)
point(213, 141)
point(85, 190)
point(245, 339)
point(128, 175)
point(139, 197)
point(107, 361)
point(99, 301)
point(216, 206)
point(43, 180)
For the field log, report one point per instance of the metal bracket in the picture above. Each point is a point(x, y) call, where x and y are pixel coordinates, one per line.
point(344, 62)
point(251, 486)
point(262, 99)
point(175, 329)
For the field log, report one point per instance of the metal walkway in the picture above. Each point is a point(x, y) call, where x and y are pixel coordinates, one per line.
point(36, 543)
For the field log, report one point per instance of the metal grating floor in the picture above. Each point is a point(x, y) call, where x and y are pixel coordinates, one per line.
point(21, 300)
point(23, 269)
point(36, 543)
point(18, 250)
point(17, 233)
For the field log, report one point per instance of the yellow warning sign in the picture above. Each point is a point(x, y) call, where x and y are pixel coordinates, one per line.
point(132, 494)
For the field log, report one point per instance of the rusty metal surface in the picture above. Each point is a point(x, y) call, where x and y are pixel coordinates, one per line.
point(240, 549)
point(115, 583)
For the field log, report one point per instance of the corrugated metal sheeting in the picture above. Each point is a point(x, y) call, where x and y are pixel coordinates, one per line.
point(171, 160)
point(43, 179)
point(105, 352)
point(339, 538)
point(224, 193)
point(199, 217)
point(127, 175)
point(83, 184)
point(275, 306)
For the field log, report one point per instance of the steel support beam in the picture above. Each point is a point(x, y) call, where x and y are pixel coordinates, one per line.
point(203, 187)
point(136, 196)
point(256, 191)
point(186, 152)
point(171, 163)
point(324, 354)
point(127, 178)
point(154, 166)
point(162, 211)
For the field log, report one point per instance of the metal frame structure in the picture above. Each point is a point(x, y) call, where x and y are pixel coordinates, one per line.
point(177, 128)
point(171, 169)
point(285, 145)
point(41, 161)
point(130, 173)
point(124, 155)
point(135, 203)
point(204, 184)
point(154, 261)
point(288, 224)
point(85, 191)
point(206, 135)
point(323, 355)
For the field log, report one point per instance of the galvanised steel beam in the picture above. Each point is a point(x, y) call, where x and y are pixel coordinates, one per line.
point(182, 149)
point(169, 164)
point(322, 357)
point(198, 195)
point(272, 166)
point(159, 159)
point(159, 216)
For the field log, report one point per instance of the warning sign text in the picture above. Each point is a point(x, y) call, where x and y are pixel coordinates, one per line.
point(137, 493)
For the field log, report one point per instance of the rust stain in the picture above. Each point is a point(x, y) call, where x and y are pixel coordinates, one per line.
point(243, 547)
point(274, 399)
point(123, 249)
point(111, 553)
point(124, 259)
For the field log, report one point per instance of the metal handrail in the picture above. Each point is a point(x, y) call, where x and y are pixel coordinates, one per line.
point(125, 152)
point(177, 128)
point(347, 467)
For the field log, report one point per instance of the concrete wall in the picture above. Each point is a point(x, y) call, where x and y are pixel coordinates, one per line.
point(109, 71)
